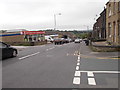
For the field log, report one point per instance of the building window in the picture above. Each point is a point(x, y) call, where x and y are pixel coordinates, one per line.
point(114, 7)
point(115, 32)
point(109, 29)
point(118, 28)
point(109, 10)
point(119, 6)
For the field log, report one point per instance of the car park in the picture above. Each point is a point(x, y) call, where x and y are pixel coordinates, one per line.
point(7, 51)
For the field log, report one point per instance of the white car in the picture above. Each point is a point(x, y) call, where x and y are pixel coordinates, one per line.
point(80, 40)
point(77, 41)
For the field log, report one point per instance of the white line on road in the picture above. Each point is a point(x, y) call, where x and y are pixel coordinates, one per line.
point(78, 58)
point(91, 81)
point(90, 74)
point(29, 55)
point(50, 48)
point(77, 73)
point(47, 49)
point(77, 67)
point(102, 71)
point(76, 80)
point(78, 63)
point(42, 45)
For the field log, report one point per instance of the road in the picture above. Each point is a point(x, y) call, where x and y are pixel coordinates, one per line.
point(69, 65)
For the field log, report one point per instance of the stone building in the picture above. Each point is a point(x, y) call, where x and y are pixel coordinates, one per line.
point(99, 28)
point(113, 22)
point(103, 25)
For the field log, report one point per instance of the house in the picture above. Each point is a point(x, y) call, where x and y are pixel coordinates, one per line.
point(99, 28)
point(113, 22)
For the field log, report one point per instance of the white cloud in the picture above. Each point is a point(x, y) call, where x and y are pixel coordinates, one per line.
point(31, 14)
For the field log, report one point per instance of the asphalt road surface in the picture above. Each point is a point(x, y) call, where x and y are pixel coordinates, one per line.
point(69, 65)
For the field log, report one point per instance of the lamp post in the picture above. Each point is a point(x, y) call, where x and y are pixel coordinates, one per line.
point(55, 20)
point(87, 27)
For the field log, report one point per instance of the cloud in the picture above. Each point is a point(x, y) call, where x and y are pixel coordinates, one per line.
point(35, 13)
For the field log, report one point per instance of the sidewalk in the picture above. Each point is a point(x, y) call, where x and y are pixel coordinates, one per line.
point(104, 47)
point(86, 51)
point(104, 43)
point(20, 48)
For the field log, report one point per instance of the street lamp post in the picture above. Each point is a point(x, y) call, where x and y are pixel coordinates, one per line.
point(87, 27)
point(55, 20)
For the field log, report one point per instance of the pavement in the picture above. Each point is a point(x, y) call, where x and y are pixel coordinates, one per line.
point(60, 66)
point(88, 53)
point(20, 48)
point(102, 43)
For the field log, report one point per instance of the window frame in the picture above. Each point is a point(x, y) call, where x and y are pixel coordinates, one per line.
point(119, 6)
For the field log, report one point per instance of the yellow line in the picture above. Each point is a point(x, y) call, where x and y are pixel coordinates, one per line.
point(84, 56)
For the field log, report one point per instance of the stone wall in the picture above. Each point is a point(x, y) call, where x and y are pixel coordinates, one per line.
point(102, 48)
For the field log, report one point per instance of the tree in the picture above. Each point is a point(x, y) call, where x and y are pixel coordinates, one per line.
point(3, 31)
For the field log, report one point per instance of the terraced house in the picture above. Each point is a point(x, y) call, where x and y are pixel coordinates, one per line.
point(113, 22)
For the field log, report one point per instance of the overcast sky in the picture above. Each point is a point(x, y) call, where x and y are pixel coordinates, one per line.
point(39, 14)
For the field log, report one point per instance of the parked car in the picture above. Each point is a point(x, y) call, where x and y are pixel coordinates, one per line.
point(86, 42)
point(77, 41)
point(58, 41)
point(81, 40)
point(66, 40)
point(7, 51)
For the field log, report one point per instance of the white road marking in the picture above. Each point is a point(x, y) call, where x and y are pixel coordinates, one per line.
point(64, 44)
point(77, 73)
point(102, 71)
point(29, 55)
point(90, 74)
point(67, 54)
point(50, 48)
point(76, 80)
point(42, 45)
point(78, 63)
point(47, 49)
point(91, 81)
point(77, 67)
point(78, 58)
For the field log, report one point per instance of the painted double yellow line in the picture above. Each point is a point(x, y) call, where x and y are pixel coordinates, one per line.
point(85, 56)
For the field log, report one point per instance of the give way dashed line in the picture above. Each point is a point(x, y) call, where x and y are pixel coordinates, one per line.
point(77, 75)
point(90, 74)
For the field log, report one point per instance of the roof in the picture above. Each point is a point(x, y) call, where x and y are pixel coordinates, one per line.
point(16, 30)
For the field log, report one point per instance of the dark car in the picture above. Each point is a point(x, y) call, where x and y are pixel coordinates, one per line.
point(7, 51)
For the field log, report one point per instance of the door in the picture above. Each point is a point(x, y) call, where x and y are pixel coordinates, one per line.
point(6, 51)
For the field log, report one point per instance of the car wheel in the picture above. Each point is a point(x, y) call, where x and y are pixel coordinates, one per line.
point(14, 53)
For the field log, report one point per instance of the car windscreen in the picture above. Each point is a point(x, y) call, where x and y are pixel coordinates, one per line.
point(2, 45)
